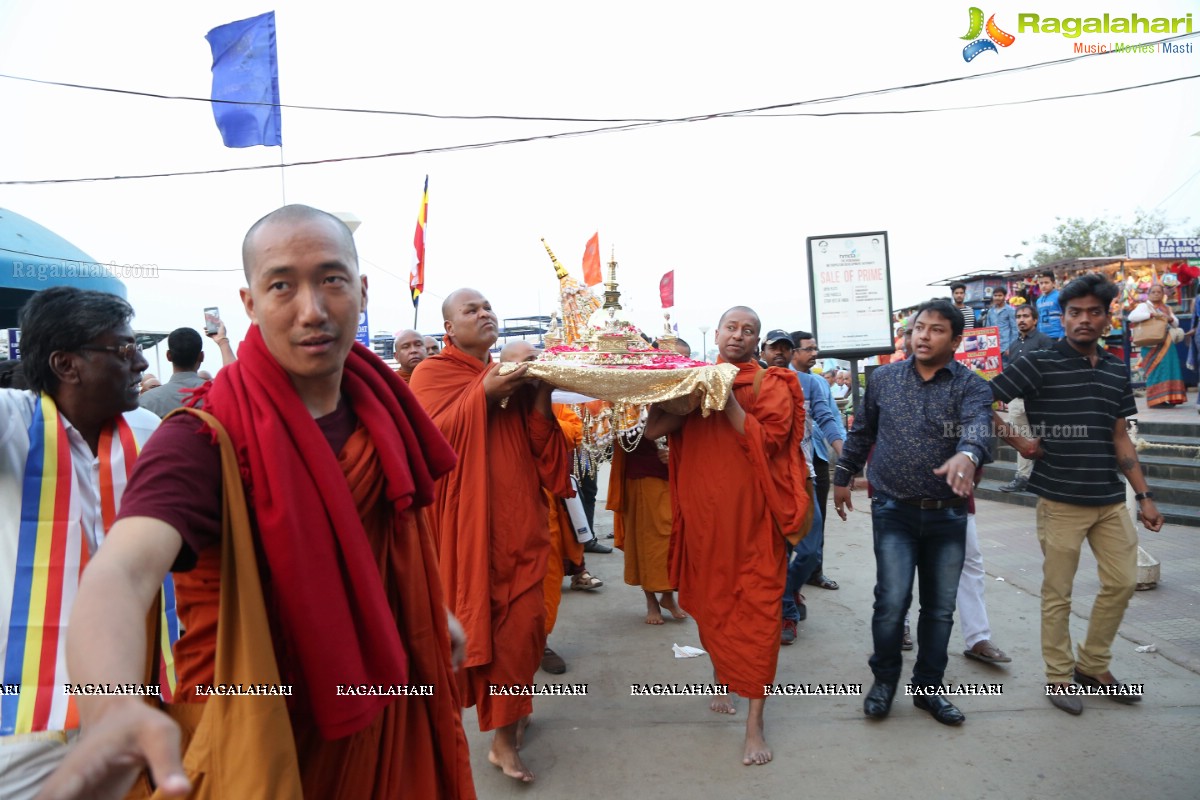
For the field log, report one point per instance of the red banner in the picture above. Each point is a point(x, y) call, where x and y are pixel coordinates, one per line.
point(666, 289)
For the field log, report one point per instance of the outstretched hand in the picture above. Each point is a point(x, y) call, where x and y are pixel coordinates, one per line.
point(113, 751)
point(960, 474)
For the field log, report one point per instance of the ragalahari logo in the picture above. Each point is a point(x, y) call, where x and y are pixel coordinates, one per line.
point(995, 36)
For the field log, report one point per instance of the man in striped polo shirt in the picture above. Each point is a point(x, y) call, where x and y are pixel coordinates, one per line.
point(1077, 397)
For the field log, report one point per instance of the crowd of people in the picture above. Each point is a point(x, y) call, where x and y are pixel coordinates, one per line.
point(370, 550)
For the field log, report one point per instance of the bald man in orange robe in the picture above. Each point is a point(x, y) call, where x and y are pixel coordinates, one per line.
point(728, 546)
point(489, 515)
point(409, 351)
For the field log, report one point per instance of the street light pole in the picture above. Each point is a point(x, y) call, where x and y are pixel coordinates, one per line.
point(704, 329)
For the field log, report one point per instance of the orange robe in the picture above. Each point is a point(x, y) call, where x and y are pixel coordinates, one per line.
point(490, 521)
point(641, 525)
point(416, 747)
point(734, 498)
point(563, 544)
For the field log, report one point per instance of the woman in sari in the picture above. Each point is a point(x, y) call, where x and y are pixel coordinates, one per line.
point(1164, 373)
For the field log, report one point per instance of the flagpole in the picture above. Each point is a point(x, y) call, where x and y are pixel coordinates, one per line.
point(282, 181)
point(416, 310)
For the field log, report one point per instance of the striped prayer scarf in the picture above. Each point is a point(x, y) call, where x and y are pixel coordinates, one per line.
point(51, 554)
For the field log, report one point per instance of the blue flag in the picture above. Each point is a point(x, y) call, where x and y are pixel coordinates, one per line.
point(246, 69)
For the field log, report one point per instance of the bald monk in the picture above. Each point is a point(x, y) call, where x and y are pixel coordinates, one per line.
point(564, 546)
point(727, 554)
point(432, 346)
point(490, 517)
point(337, 460)
point(410, 351)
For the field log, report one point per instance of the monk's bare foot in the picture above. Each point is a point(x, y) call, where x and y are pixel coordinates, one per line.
point(653, 615)
point(668, 602)
point(757, 751)
point(504, 754)
point(722, 704)
point(522, 724)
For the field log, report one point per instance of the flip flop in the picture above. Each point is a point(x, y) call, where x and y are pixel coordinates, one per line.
point(824, 582)
point(989, 654)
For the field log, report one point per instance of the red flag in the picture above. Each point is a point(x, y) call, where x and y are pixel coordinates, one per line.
point(666, 289)
point(416, 276)
point(591, 262)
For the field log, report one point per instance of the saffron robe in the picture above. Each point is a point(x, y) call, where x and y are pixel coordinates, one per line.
point(641, 521)
point(734, 498)
point(490, 522)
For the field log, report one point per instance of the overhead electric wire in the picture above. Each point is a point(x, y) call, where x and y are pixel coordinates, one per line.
point(579, 133)
point(605, 120)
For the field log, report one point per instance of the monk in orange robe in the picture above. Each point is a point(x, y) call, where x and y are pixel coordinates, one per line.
point(564, 546)
point(640, 498)
point(338, 462)
point(727, 551)
point(409, 348)
point(489, 515)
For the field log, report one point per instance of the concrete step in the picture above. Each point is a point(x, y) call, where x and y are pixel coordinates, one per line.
point(1174, 513)
point(1155, 463)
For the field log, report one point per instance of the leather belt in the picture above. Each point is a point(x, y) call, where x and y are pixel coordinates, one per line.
point(930, 504)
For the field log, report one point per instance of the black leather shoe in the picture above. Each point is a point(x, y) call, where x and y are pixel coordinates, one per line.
point(939, 708)
point(878, 701)
point(594, 546)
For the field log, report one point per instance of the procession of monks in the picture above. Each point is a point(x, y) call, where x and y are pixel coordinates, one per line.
point(376, 529)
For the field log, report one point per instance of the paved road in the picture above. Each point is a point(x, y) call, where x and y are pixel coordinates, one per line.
point(612, 745)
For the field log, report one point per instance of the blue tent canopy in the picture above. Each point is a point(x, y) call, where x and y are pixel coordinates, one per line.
point(33, 257)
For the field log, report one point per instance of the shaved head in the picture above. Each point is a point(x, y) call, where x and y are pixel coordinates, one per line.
point(737, 334)
point(432, 346)
point(291, 215)
point(410, 350)
point(741, 310)
point(518, 351)
point(470, 323)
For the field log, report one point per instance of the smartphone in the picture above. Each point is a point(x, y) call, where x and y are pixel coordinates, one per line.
point(212, 321)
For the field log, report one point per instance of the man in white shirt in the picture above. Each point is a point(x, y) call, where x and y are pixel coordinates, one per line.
point(84, 369)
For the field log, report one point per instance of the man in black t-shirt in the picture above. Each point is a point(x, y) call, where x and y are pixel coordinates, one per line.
point(1077, 397)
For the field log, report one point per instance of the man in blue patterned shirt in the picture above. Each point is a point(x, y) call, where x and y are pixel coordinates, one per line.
point(929, 419)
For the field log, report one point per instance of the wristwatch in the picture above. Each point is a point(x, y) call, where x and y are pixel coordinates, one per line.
point(974, 458)
point(1140, 496)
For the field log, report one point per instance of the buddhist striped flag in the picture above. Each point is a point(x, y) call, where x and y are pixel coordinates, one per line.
point(416, 276)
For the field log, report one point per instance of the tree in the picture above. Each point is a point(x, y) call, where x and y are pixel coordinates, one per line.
point(1076, 237)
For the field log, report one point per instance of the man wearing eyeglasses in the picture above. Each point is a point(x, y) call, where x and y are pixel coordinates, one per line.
point(65, 446)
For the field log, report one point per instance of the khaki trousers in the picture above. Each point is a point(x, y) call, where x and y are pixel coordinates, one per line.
point(1061, 530)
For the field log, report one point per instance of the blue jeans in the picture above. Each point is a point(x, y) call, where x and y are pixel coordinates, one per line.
point(933, 542)
point(806, 561)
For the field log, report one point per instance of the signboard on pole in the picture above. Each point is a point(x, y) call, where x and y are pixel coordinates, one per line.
point(851, 294)
point(364, 330)
point(1162, 248)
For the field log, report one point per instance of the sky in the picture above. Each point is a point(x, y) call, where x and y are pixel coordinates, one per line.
point(726, 203)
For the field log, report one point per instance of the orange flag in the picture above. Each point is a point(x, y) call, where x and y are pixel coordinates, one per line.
point(591, 262)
